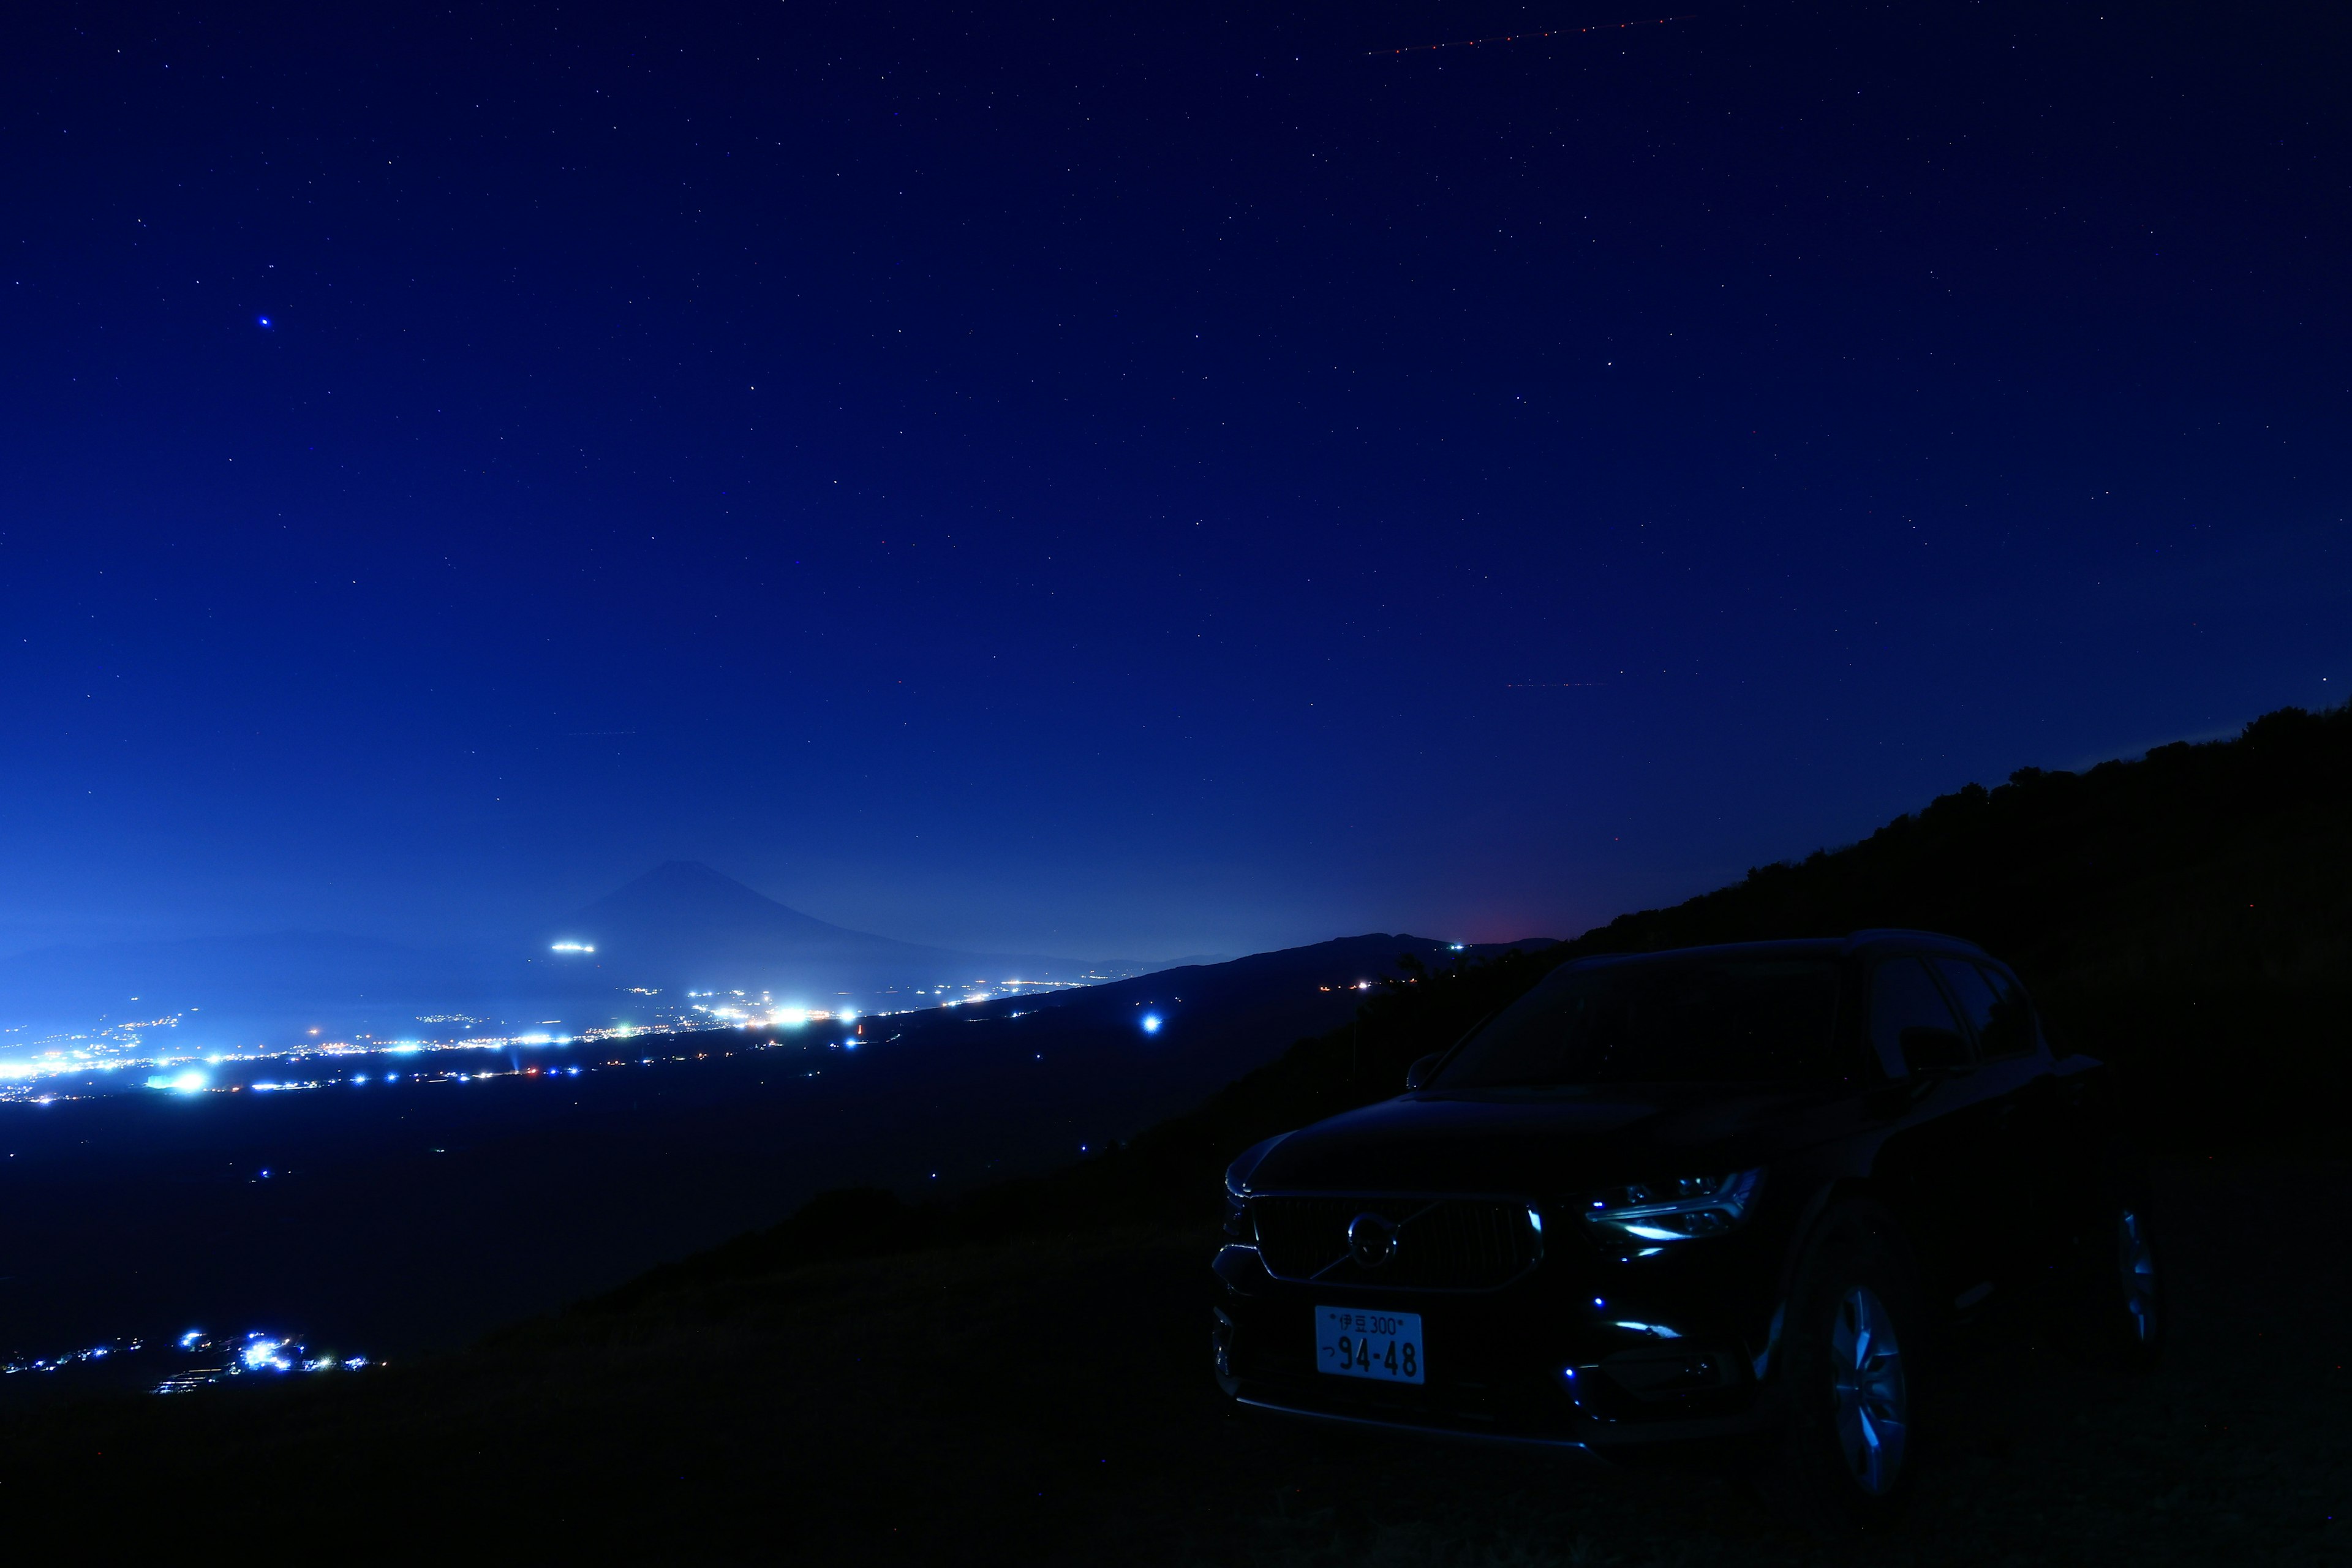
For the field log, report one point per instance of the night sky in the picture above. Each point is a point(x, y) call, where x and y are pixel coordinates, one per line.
point(1139, 482)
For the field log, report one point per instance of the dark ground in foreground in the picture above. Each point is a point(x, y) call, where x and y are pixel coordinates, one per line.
point(1047, 1401)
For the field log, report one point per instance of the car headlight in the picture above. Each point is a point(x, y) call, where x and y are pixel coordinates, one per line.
point(1683, 1210)
point(1237, 1218)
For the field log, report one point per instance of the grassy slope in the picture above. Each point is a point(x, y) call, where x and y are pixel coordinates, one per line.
point(1047, 1401)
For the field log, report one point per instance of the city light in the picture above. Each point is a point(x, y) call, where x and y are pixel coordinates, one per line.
point(1151, 1023)
point(115, 1057)
point(573, 947)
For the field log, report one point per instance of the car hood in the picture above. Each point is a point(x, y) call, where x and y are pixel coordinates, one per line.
point(1536, 1141)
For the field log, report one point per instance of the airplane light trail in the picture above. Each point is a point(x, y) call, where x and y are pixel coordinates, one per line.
point(1522, 37)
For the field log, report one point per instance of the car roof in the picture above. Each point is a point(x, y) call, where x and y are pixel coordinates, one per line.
point(1860, 944)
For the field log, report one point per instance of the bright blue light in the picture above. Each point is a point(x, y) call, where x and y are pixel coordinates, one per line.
point(1655, 1331)
point(1151, 1023)
point(265, 320)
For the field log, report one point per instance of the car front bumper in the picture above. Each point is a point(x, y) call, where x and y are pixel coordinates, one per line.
point(1545, 1361)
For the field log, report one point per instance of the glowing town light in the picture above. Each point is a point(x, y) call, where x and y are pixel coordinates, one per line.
point(573, 947)
point(185, 1083)
point(789, 1017)
point(847, 1015)
point(1151, 1023)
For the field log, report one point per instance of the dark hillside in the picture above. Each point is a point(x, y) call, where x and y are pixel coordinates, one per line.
point(1048, 1402)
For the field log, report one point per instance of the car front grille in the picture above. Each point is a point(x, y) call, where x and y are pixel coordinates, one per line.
point(1441, 1244)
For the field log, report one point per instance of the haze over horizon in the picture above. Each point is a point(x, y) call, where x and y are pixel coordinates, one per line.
point(1103, 487)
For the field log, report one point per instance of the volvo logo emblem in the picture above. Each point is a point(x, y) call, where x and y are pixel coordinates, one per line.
point(1372, 1239)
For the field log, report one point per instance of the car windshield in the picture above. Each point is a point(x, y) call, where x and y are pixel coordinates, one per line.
point(1664, 1020)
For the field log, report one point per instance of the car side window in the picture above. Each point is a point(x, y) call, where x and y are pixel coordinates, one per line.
point(1968, 987)
point(2005, 1026)
point(1911, 1026)
point(1993, 1005)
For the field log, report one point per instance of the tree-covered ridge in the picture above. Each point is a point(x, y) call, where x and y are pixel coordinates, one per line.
point(2228, 862)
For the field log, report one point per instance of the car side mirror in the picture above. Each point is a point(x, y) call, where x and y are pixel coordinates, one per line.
point(1932, 1053)
point(1422, 1070)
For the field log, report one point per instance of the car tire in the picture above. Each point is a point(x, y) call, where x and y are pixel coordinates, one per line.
point(1851, 1348)
point(2121, 1313)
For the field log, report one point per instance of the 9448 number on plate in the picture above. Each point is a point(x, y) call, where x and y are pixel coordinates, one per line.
point(1350, 1342)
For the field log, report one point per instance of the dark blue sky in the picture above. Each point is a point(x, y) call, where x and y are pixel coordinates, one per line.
point(1138, 483)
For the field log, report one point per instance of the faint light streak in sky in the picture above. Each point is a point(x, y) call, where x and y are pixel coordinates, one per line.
point(1527, 38)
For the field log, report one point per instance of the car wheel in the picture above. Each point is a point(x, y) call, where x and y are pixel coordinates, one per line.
point(2121, 1309)
point(1845, 1458)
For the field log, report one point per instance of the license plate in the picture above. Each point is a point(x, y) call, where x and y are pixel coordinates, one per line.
point(1351, 1342)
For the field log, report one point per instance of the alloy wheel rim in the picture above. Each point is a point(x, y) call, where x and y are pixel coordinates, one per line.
point(1874, 1400)
point(2136, 1261)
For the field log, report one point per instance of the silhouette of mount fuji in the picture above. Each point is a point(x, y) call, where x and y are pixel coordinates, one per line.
point(681, 926)
point(683, 923)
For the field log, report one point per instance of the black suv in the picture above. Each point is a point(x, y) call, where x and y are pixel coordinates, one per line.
point(1719, 1193)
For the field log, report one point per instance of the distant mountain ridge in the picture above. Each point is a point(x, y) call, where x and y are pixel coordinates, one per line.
point(691, 925)
point(687, 896)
